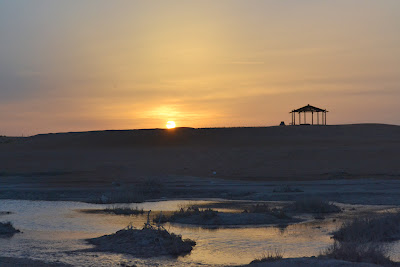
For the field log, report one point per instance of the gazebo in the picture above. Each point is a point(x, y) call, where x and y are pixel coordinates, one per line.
point(311, 109)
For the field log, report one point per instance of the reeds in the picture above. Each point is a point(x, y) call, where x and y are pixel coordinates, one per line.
point(120, 210)
point(358, 252)
point(380, 227)
point(269, 256)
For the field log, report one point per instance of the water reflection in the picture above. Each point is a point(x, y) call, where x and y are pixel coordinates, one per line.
point(282, 228)
point(55, 231)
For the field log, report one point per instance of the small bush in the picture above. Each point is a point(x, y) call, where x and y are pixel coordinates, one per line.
point(264, 208)
point(161, 218)
point(209, 217)
point(124, 210)
point(355, 252)
point(205, 214)
point(280, 214)
point(190, 211)
point(385, 227)
point(269, 257)
point(258, 208)
point(313, 205)
point(7, 229)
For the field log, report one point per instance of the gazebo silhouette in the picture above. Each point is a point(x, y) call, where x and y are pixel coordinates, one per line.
point(311, 109)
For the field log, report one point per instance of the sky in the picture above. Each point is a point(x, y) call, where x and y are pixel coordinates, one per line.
point(93, 65)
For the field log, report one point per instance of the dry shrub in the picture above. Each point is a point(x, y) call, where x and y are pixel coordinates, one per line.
point(120, 210)
point(264, 208)
point(356, 252)
point(203, 214)
point(383, 227)
point(7, 229)
point(269, 257)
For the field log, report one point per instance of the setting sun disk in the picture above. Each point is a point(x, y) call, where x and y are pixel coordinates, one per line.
point(171, 125)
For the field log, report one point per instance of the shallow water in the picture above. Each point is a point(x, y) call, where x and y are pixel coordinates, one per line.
point(54, 230)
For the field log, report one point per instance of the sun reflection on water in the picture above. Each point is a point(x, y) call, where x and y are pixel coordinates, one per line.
point(51, 230)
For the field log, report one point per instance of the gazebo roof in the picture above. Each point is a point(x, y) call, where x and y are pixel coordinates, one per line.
point(309, 108)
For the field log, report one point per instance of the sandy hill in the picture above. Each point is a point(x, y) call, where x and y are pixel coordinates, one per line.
point(289, 152)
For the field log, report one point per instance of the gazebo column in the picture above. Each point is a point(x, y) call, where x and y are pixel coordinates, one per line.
point(305, 119)
point(294, 118)
point(291, 113)
point(299, 119)
point(325, 117)
point(312, 118)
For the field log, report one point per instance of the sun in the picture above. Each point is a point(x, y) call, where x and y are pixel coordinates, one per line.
point(171, 125)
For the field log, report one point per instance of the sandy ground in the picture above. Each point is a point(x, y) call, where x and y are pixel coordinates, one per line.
point(347, 163)
point(271, 153)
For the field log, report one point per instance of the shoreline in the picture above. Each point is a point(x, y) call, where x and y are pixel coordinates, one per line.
point(360, 191)
point(14, 261)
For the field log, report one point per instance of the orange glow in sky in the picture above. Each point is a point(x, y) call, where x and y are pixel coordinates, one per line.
point(202, 63)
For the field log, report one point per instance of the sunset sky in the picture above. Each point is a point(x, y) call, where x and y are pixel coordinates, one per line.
point(91, 65)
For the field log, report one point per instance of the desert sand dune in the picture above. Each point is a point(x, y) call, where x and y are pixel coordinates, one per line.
point(269, 153)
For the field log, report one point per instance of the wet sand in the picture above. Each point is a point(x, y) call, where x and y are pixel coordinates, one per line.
point(360, 191)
